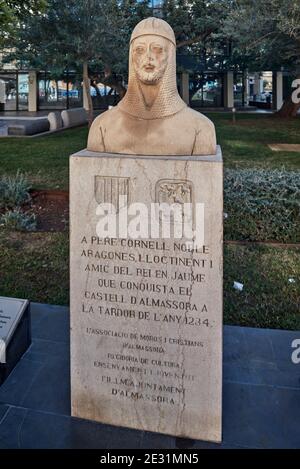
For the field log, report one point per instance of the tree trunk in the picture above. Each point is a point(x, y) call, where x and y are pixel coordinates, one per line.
point(110, 80)
point(289, 108)
point(87, 84)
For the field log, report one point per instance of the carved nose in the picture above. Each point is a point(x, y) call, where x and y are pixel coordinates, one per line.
point(150, 55)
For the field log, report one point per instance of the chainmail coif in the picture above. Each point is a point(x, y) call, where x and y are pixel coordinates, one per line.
point(168, 101)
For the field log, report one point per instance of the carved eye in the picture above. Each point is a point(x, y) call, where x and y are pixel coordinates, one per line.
point(140, 50)
point(157, 49)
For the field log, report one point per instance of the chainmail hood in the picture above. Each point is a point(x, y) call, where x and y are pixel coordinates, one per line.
point(168, 101)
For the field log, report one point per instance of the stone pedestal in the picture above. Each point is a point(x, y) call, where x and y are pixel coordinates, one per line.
point(15, 333)
point(146, 314)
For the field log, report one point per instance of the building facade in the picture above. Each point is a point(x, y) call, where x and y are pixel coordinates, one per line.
point(31, 90)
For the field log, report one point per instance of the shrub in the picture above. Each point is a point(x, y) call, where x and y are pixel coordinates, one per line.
point(13, 191)
point(17, 220)
point(262, 205)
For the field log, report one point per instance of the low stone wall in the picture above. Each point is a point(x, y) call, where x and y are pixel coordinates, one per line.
point(27, 127)
point(73, 117)
point(55, 121)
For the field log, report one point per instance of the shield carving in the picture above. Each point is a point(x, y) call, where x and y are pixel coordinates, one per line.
point(172, 191)
point(175, 191)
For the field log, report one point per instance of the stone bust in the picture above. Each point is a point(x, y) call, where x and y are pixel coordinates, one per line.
point(152, 119)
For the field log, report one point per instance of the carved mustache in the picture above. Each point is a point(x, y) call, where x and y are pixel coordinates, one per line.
point(148, 64)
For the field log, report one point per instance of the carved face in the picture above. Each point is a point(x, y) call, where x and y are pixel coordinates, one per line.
point(150, 57)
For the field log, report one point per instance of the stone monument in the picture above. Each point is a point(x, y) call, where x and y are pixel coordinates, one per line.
point(152, 119)
point(15, 333)
point(146, 256)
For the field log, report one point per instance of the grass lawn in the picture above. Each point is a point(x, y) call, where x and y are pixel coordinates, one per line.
point(36, 265)
point(45, 160)
point(244, 145)
point(271, 294)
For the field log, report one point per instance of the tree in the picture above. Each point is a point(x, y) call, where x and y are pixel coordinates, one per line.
point(194, 22)
point(81, 33)
point(95, 33)
point(13, 13)
point(197, 25)
point(267, 35)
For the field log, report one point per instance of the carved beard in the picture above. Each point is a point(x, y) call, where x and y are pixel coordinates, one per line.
point(150, 78)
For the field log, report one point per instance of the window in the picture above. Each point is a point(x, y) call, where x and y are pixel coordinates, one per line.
point(52, 92)
point(59, 92)
point(206, 90)
point(8, 91)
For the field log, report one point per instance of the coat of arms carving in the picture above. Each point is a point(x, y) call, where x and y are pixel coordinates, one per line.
point(113, 190)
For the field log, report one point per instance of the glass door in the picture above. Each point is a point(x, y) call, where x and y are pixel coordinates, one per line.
point(23, 91)
point(8, 91)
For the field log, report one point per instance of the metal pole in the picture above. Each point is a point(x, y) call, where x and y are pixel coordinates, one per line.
point(17, 90)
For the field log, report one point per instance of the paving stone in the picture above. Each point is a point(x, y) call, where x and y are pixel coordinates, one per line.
point(261, 395)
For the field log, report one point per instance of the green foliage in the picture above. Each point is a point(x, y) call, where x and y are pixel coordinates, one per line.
point(6, 16)
point(98, 31)
point(262, 205)
point(121, 17)
point(77, 31)
point(13, 14)
point(194, 21)
point(18, 220)
point(14, 190)
point(265, 35)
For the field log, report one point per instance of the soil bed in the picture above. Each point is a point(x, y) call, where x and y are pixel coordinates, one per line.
point(51, 208)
